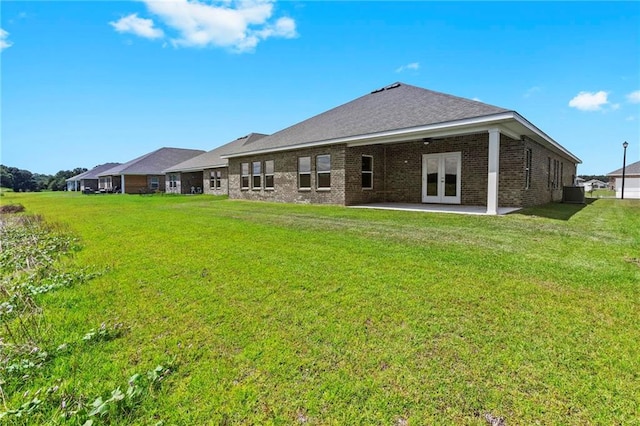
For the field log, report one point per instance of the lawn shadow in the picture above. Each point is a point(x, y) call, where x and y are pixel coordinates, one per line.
point(557, 211)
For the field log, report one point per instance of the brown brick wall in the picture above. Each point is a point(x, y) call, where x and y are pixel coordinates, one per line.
point(134, 184)
point(286, 177)
point(398, 173)
point(540, 192)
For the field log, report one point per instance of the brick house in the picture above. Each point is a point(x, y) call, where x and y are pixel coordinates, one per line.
point(205, 173)
point(631, 181)
point(88, 181)
point(145, 173)
point(405, 144)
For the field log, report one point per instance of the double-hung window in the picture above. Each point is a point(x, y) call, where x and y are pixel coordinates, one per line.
point(256, 168)
point(154, 183)
point(268, 174)
point(367, 172)
point(323, 171)
point(527, 168)
point(244, 175)
point(304, 172)
point(215, 178)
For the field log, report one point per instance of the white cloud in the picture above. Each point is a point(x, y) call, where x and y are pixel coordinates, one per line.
point(4, 43)
point(634, 97)
point(631, 118)
point(411, 66)
point(138, 26)
point(238, 25)
point(587, 101)
point(532, 91)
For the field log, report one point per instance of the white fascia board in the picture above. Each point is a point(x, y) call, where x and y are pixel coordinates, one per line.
point(532, 128)
point(469, 125)
point(196, 169)
point(186, 169)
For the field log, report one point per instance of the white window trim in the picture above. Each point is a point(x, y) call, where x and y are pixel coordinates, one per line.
point(157, 182)
point(242, 176)
point(253, 175)
point(272, 175)
point(324, 172)
point(304, 188)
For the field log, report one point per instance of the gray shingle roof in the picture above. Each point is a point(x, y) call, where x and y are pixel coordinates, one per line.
point(93, 173)
point(153, 163)
point(632, 169)
point(398, 106)
point(212, 158)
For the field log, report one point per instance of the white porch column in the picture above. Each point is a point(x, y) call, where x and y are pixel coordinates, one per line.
point(494, 165)
point(122, 184)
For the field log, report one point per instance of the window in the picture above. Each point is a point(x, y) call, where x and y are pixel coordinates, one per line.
point(215, 178)
point(527, 168)
point(561, 173)
point(367, 172)
point(304, 172)
point(256, 168)
point(173, 181)
point(155, 183)
point(549, 173)
point(554, 174)
point(323, 170)
point(268, 174)
point(244, 175)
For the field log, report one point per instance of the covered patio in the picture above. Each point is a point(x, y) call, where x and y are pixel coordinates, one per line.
point(436, 208)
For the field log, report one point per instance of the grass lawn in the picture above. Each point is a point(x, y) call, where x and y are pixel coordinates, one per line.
point(600, 193)
point(292, 314)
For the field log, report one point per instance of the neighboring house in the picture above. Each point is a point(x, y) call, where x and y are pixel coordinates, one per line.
point(406, 144)
point(88, 181)
point(206, 173)
point(580, 181)
point(631, 181)
point(594, 184)
point(145, 173)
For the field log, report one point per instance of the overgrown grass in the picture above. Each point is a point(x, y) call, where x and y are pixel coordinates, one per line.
point(285, 314)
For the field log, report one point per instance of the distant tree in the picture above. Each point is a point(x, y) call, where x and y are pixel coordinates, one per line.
point(23, 181)
point(603, 178)
point(42, 181)
point(6, 177)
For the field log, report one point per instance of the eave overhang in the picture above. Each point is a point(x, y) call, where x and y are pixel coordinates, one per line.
point(509, 123)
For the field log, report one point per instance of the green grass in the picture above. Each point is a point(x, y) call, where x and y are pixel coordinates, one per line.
point(600, 193)
point(286, 314)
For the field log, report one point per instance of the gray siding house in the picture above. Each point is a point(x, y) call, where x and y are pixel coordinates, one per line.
point(206, 173)
point(405, 144)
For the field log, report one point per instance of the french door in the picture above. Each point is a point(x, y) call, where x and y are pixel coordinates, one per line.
point(441, 178)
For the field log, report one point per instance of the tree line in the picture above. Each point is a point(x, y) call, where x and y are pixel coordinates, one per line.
point(21, 180)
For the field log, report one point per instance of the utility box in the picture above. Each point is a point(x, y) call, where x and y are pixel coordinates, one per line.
point(573, 194)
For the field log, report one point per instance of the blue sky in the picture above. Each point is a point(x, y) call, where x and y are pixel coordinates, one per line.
point(85, 83)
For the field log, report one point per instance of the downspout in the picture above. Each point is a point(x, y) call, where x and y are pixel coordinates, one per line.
point(122, 183)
